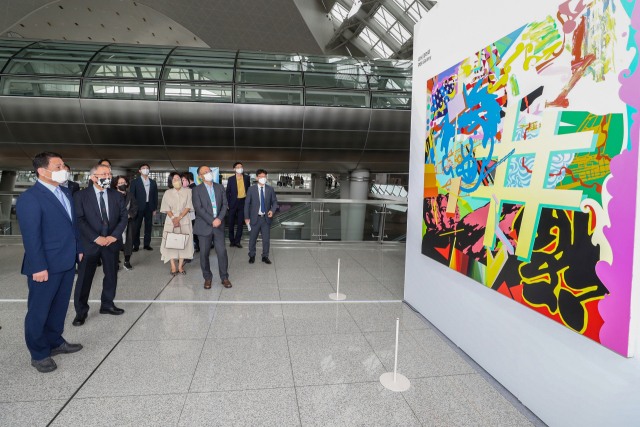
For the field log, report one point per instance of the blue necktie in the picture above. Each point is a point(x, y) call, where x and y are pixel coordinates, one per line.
point(103, 213)
point(61, 198)
point(262, 200)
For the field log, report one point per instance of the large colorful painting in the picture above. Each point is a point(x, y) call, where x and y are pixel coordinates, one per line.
point(531, 167)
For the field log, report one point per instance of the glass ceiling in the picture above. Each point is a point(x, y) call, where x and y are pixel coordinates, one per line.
point(97, 70)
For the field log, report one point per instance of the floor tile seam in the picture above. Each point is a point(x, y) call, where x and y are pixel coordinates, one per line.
point(293, 375)
point(124, 396)
point(103, 359)
point(223, 302)
point(447, 376)
point(240, 389)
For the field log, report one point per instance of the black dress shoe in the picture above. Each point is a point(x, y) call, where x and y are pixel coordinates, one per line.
point(112, 310)
point(252, 259)
point(238, 245)
point(266, 260)
point(148, 248)
point(136, 249)
point(66, 348)
point(79, 320)
point(127, 266)
point(45, 365)
point(232, 245)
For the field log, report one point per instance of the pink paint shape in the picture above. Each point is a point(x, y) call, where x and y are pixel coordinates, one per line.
point(615, 308)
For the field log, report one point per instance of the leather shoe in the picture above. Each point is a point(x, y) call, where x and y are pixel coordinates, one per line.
point(266, 260)
point(66, 348)
point(136, 249)
point(148, 248)
point(238, 245)
point(207, 284)
point(112, 310)
point(232, 245)
point(45, 365)
point(252, 259)
point(79, 320)
point(226, 283)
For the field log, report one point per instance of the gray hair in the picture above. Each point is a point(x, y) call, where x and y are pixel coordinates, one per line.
point(96, 167)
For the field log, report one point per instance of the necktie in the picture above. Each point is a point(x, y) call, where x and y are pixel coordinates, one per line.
point(103, 213)
point(61, 198)
point(262, 200)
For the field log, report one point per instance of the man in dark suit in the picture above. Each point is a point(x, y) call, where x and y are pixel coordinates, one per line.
point(237, 187)
point(72, 186)
point(210, 204)
point(259, 208)
point(196, 242)
point(145, 190)
point(52, 247)
point(102, 218)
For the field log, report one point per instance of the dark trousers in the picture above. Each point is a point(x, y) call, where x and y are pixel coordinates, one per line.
point(145, 214)
point(260, 226)
point(46, 310)
point(87, 270)
point(217, 237)
point(196, 241)
point(236, 214)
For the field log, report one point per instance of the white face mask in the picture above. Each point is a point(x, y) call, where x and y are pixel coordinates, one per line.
point(60, 176)
point(262, 181)
point(239, 170)
point(144, 171)
point(208, 176)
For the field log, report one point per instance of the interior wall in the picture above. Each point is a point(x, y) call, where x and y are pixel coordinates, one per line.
point(564, 378)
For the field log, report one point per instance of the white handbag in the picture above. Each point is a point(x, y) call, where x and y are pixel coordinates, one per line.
point(175, 240)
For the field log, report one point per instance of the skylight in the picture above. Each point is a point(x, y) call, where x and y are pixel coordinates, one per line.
point(339, 12)
point(391, 25)
point(413, 8)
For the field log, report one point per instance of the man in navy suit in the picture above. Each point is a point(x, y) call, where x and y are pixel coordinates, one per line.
point(237, 187)
point(102, 218)
point(145, 191)
point(52, 247)
point(259, 208)
point(71, 185)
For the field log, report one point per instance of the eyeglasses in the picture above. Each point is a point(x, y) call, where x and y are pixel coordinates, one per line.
point(102, 175)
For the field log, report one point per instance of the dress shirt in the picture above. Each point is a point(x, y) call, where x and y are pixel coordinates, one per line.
point(240, 183)
point(106, 199)
point(212, 197)
point(53, 188)
point(147, 185)
point(261, 190)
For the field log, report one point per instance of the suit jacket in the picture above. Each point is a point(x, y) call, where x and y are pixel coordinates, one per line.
point(137, 189)
point(232, 189)
point(90, 219)
point(204, 211)
point(73, 187)
point(193, 185)
point(51, 239)
point(252, 204)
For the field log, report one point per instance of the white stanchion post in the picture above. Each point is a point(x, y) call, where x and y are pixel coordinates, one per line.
point(337, 296)
point(393, 380)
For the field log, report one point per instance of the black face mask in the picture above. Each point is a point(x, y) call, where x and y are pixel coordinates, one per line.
point(122, 187)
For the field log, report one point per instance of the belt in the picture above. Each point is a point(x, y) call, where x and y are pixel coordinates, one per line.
point(262, 215)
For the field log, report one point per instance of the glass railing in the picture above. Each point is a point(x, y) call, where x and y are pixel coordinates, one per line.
point(314, 220)
point(95, 70)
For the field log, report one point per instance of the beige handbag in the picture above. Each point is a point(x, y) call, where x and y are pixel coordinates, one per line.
point(175, 240)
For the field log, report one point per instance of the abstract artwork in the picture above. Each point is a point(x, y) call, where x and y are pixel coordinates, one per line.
point(531, 166)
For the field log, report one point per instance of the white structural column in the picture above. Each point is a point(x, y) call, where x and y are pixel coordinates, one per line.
point(345, 193)
point(359, 190)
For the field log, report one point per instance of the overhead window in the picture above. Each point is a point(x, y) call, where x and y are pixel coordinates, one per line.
point(378, 46)
point(339, 12)
point(391, 25)
point(413, 8)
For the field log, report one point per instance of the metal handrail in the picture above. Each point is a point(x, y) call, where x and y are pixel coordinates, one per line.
point(341, 201)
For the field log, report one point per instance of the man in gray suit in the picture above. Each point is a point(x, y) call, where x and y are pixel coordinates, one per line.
point(210, 204)
point(260, 205)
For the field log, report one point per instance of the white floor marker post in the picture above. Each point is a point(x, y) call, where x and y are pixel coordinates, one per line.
point(393, 380)
point(337, 296)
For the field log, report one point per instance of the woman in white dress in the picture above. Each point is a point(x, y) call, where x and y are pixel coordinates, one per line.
point(176, 203)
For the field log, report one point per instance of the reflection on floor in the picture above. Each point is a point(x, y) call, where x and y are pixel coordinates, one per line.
point(271, 351)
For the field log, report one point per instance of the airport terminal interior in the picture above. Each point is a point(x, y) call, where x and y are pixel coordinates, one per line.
point(453, 243)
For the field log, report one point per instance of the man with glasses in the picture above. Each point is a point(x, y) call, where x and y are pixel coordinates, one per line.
point(51, 249)
point(102, 218)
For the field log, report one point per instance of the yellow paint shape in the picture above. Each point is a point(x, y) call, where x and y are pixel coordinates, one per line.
point(454, 191)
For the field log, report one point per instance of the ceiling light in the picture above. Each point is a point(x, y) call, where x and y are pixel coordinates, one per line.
point(357, 4)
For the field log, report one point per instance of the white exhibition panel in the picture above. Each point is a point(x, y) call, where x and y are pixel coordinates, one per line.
point(564, 378)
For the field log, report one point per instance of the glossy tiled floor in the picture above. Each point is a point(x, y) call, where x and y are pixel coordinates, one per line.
point(271, 351)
